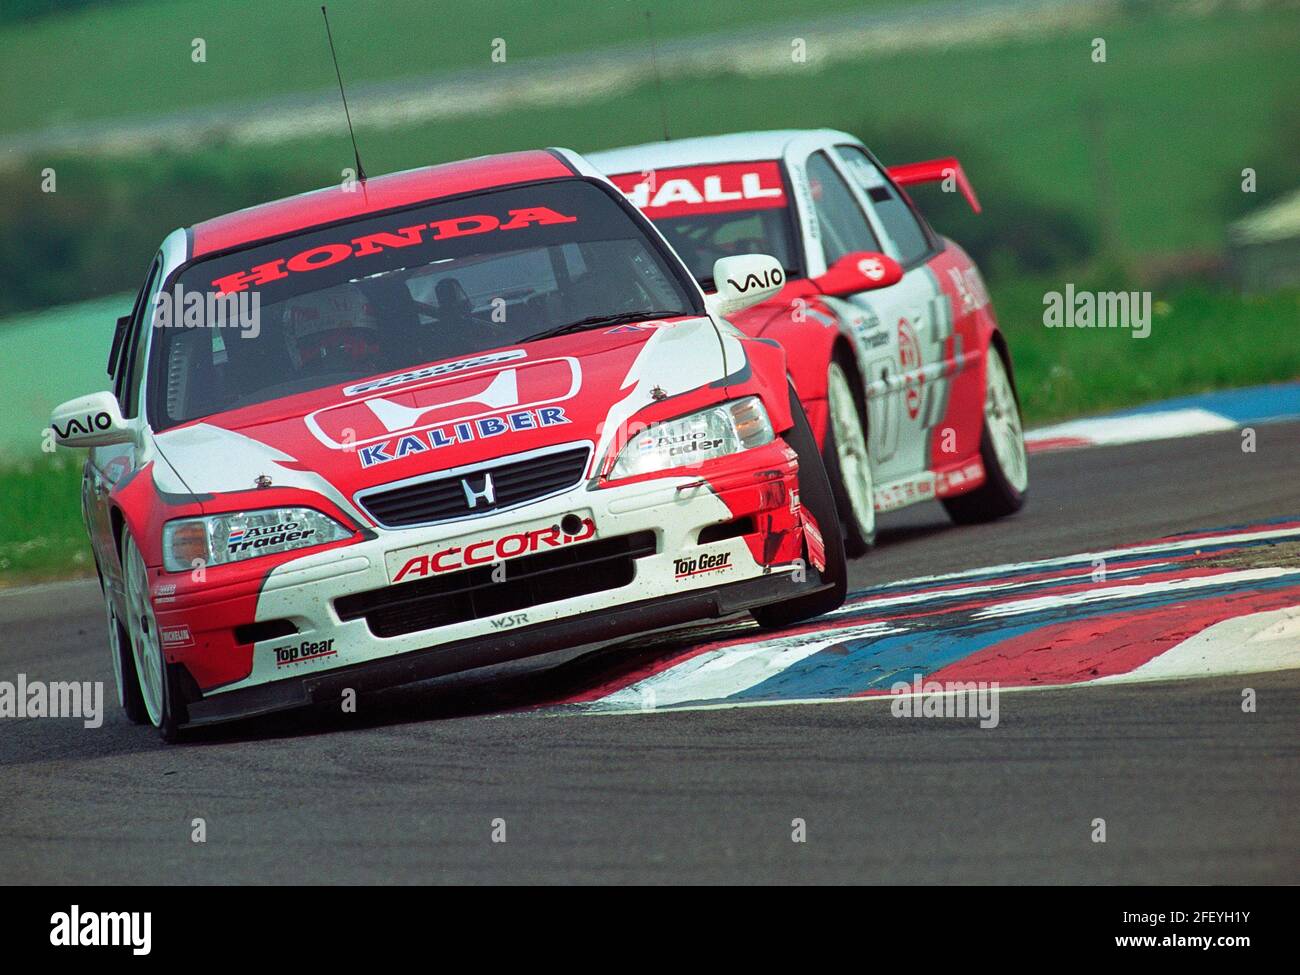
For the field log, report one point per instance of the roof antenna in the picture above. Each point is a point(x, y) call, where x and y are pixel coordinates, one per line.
point(659, 84)
point(361, 172)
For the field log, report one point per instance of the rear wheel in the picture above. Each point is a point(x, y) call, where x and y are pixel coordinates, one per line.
point(153, 677)
point(1002, 449)
point(814, 494)
point(848, 464)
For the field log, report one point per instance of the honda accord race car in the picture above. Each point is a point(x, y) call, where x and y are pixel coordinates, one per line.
point(891, 341)
point(438, 420)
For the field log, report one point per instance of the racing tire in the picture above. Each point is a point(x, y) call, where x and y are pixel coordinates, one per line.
point(119, 648)
point(815, 494)
point(1002, 449)
point(155, 679)
point(848, 463)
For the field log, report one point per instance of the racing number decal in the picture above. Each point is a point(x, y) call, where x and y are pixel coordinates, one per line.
point(909, 358)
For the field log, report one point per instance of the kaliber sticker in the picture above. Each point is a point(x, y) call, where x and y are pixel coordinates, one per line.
point(450, 409)
point(454, 433)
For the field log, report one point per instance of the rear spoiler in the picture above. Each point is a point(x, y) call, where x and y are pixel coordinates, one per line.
point(934, 171)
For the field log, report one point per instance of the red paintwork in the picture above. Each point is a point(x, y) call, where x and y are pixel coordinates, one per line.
point(719, 188)
point(1077, 651)
point(758, 483)
point(973, 330)
point(373, 196)
point(933, 171)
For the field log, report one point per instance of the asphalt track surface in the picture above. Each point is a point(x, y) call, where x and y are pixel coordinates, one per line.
point(1192, 790)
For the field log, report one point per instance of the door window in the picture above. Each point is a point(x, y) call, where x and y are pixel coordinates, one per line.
point(894, 213)
point(844, 227)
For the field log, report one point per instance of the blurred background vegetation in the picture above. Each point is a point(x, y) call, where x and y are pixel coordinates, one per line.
point(1115, 175)
point(1133, 164)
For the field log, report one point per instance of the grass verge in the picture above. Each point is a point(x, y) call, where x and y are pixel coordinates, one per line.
point(41, 533)
point(1201, 339)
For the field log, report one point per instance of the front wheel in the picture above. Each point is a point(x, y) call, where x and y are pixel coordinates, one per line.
point(848, 464)
point(815, 495)
point(119, 648)
point(1002, 449)
point(157, 692)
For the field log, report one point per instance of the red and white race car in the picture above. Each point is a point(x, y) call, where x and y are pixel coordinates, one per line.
point(891, 340)
point(443, 419)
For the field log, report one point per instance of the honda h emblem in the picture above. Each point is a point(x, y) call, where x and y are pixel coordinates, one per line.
point(486, 493)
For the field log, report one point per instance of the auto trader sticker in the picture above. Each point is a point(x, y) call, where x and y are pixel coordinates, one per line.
point(260, 536)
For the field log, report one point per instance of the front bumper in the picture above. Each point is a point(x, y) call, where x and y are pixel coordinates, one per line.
point(333, 636)
point(593, 627)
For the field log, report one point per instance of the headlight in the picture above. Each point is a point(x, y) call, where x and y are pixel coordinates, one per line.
point(693, 439)
point(218, 539)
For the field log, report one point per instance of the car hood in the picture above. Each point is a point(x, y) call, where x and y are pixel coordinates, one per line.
point(339, 440)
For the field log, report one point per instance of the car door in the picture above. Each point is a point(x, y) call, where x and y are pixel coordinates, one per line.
point(107, 466)
point(891, 328)
point(909, 240)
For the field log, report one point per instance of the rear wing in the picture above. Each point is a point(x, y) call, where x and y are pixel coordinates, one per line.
point(934, 171)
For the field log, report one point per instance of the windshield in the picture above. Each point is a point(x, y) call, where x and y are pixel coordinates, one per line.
point(392, 292)
point(715, 211)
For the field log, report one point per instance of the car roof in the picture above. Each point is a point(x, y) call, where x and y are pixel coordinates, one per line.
point(736, 147)
point(380, 193)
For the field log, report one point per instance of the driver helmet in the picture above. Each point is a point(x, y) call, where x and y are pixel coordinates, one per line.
point(336, 326)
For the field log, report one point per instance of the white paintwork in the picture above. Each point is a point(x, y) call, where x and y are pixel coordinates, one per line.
point(93, 420)
point(899, 432)
point(1103, 593)
point(1167, 424)
point(142, 627)
point(1002, 421)
point(742, 281)
point(1170, 546)
point(1250, 644)
point(851, 449)
point(721, 673)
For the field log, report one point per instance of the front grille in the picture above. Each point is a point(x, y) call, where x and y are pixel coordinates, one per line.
point(443, 498)
point(470, 594)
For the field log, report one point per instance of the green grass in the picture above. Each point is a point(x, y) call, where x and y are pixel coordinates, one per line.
point(1201, 340)
point(135, 59)
point(38, 377)
point(1186, 103)
point(41, 533)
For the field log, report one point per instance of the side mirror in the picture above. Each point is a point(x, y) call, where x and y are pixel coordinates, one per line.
point(859, 271)
point(744, 280)
point(89, 421)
